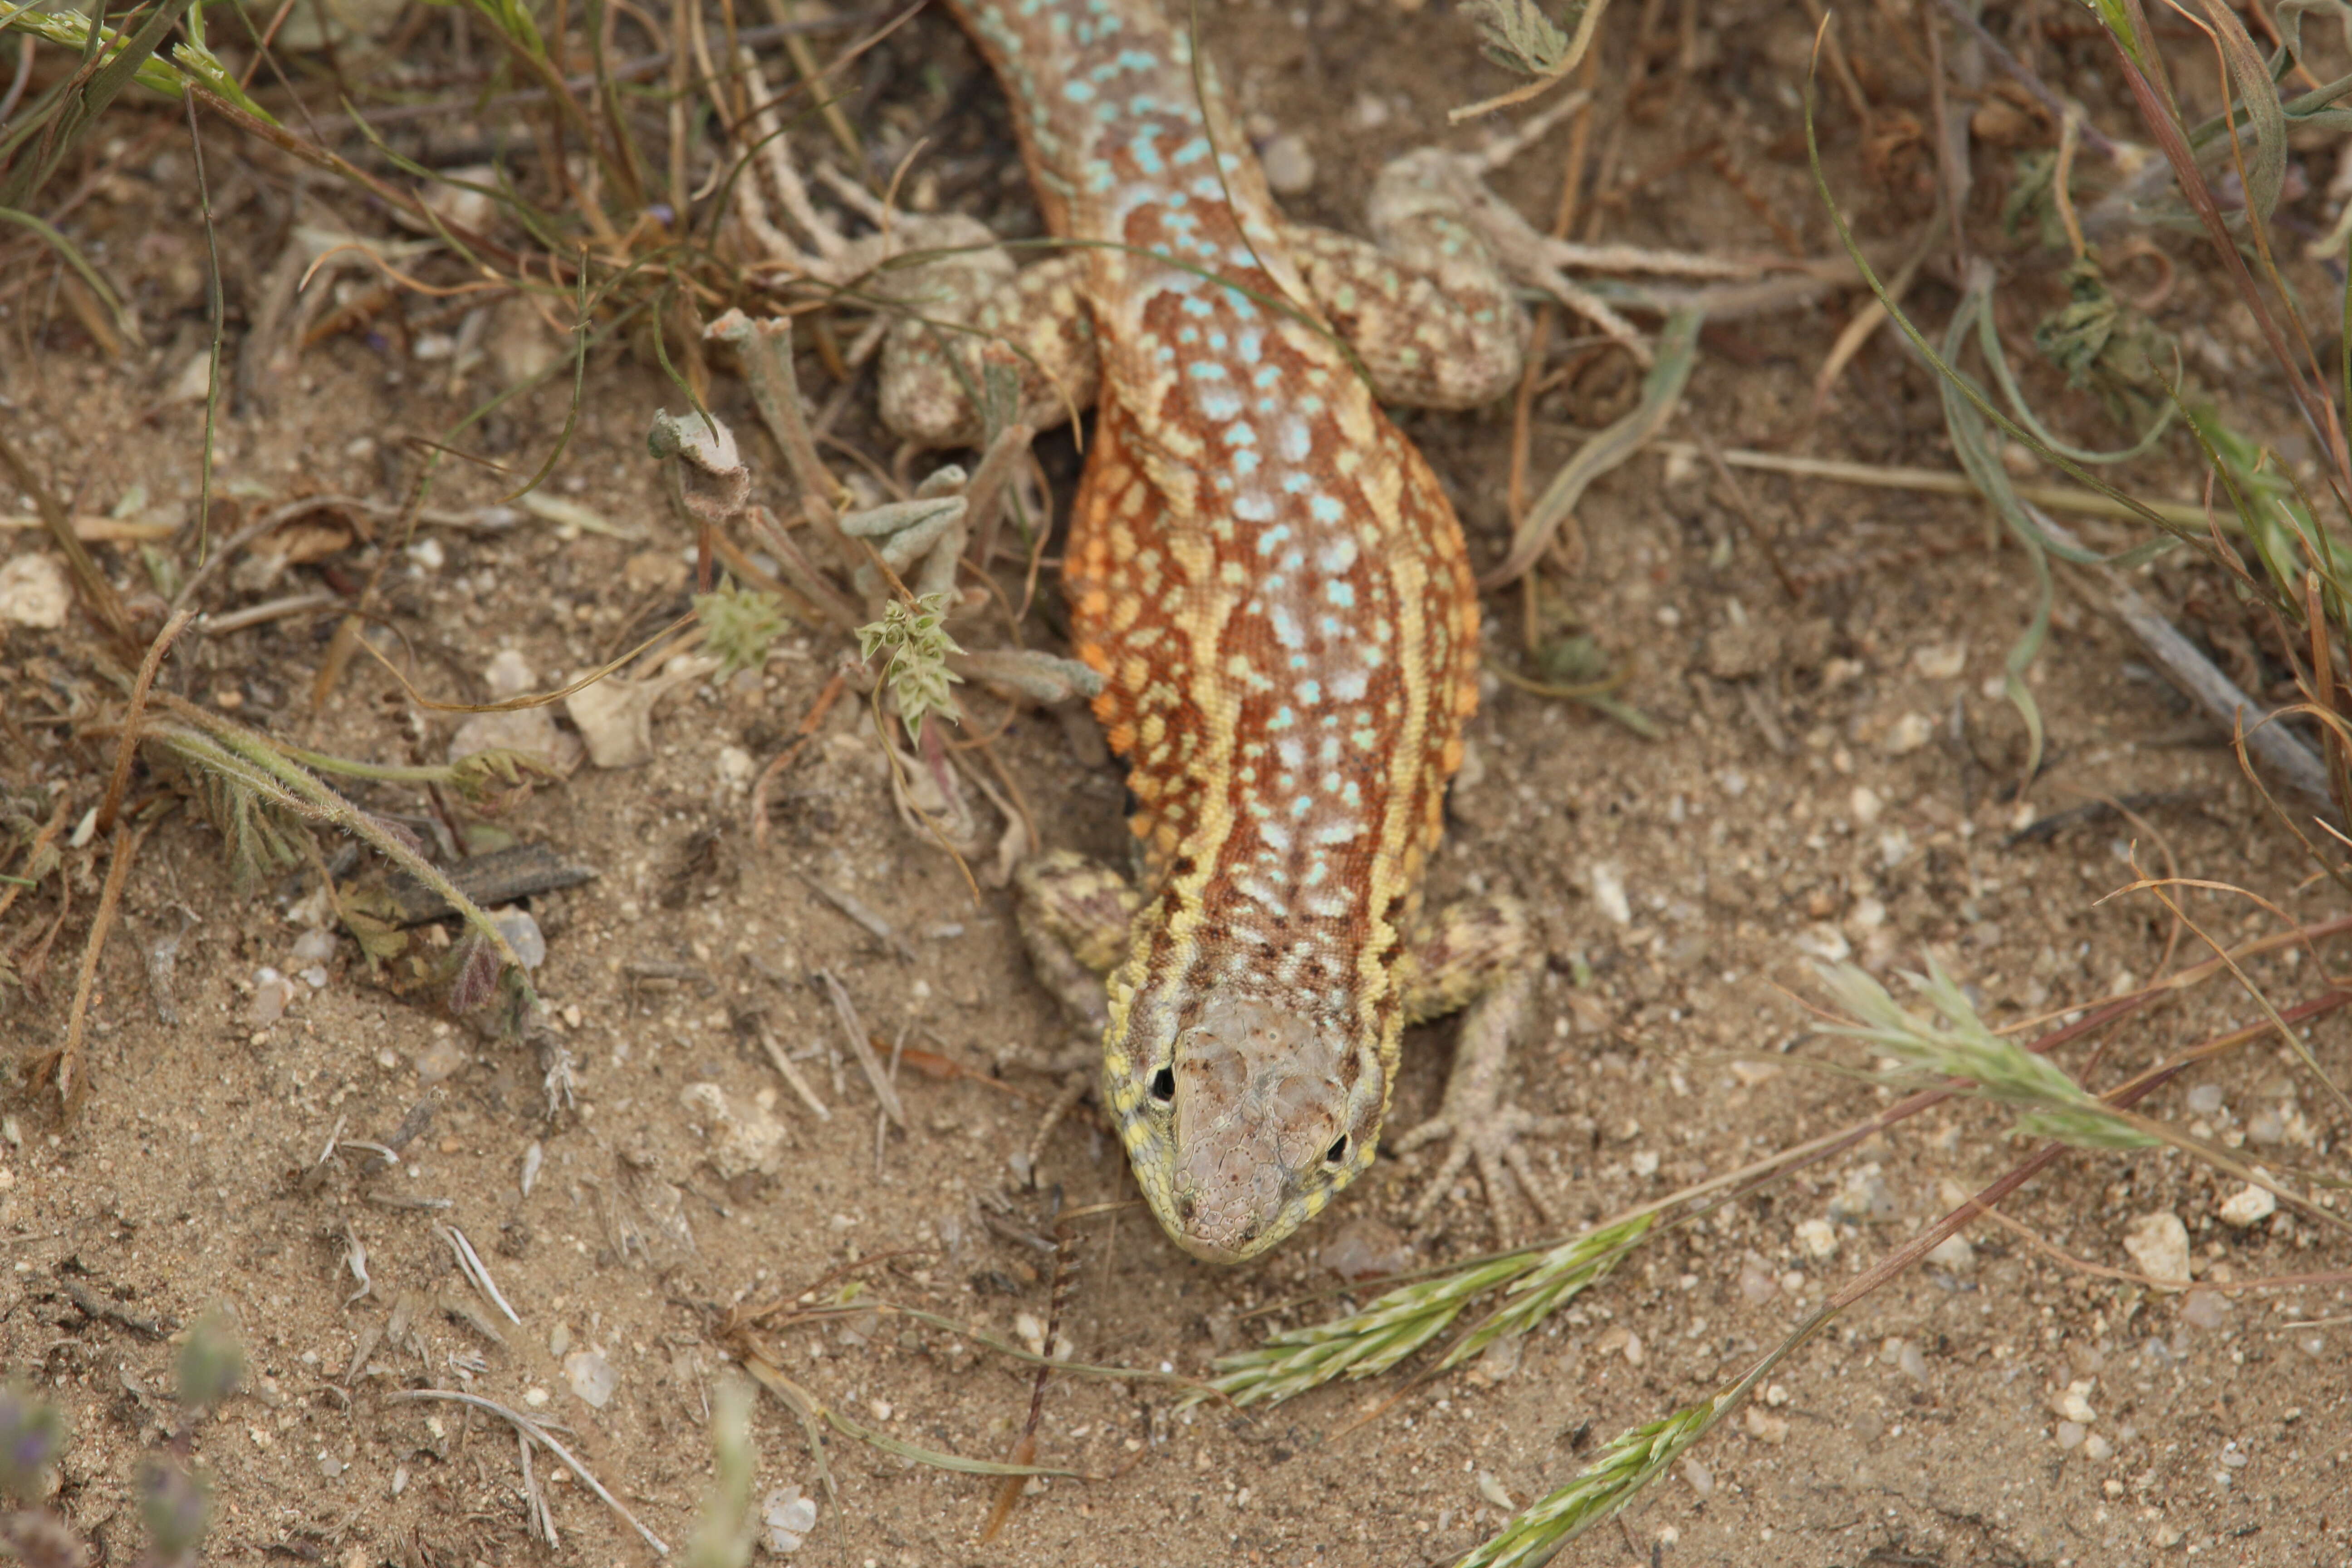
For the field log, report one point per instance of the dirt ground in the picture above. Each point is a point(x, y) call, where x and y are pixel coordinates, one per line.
point(1834, 772)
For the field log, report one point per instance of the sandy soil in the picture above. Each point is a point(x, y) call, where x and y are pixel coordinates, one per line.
point(1834, 772)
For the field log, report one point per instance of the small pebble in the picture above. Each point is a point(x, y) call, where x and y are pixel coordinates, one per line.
point(1865, 805)
point(790, 1518)
point(2250, 1205)
point(522, 934)
point(1954, 1255)
point(271, 992)
point(2070, 1434)
point(1608, 884)
point(2204, 1310)
point(1289, 164)
point(440, 1060)
point(2074, 1404)
point(592, 1377)
point(2159, 1243)
point(507, 675)
point(1907, 735)
point(35, 592)
point(1940, 661)
point(314, 946)
point(1701, 1478)
point(2205, 1099)
point(1817, 1238)
point(2097, 1448)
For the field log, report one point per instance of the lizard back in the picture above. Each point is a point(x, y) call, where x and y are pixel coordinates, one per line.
point(1277, 592)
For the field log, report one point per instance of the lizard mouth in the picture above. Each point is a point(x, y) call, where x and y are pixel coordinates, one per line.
point(1221, 1235)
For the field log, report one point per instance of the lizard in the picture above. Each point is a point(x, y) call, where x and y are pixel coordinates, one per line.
point(1277, 592)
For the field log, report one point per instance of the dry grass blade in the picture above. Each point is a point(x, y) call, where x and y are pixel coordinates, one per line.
point(533, 1432)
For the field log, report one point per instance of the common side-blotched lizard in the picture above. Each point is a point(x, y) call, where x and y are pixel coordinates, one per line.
point(1276, 593)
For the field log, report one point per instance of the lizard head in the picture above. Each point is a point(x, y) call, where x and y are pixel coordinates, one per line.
point(1243, 1121)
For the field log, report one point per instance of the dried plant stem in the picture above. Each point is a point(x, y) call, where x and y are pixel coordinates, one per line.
point(117, 871)
point(127, 748)
point(526, 1428)
point(1936, 481)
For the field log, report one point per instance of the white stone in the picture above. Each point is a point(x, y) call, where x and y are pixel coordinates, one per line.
point(1940, 661)
point(1907, 735)
point(2250, 1205)
point(2159, 1243)
point(592, 1377)
point(1608, 884)
point(743, 1139)
point(790, 1518)
point(1954, 1255)
point(1289, 164)
point(35, 592)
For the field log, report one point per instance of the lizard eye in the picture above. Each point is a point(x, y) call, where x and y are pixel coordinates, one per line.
point(1337, 1153)
point(1163, 1085)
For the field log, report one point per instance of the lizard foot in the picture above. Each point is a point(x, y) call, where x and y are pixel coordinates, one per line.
point(1483, 1126)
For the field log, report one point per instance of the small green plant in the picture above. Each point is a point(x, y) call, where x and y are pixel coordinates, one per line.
point(738, 624)
point(915, 636)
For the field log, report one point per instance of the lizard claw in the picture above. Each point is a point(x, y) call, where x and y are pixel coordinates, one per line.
point(1482, 1126)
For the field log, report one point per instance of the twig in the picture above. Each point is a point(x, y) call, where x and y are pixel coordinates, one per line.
point(2271, 743)
point(791, 1073)
point(532, 1430)
point(469, 1264)
point(857, 912)
point(128, 746)
point(1935, 481)
point(862, 1048)
point(1740, 504)
point(117, 871)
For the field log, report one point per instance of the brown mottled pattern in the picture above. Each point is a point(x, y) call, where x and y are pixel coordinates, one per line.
point(1275, 588)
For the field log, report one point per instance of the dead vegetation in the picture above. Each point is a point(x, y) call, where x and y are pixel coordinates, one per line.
point(653, 198)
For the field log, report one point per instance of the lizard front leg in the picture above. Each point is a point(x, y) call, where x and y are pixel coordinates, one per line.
point(1475, 956)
